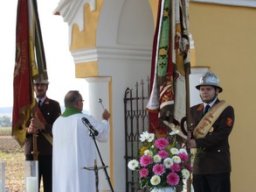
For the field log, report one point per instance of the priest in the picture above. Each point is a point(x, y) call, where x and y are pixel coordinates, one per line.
point(73, 146)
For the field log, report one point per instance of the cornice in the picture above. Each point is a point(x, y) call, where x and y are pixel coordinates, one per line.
point(116, 53)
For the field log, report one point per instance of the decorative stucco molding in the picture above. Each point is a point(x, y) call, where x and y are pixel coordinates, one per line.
point(90, 55)
point(68, 9)
point(243, 3)
point(87, 61)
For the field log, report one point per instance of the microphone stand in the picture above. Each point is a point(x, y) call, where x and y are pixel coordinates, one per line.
point(103, 164)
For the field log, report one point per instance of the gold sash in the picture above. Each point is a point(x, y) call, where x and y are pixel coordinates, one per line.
point(48, 137)
point(40, 116)
point(205, 125)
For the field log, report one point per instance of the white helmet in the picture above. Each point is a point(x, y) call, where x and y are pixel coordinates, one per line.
point(211, 79)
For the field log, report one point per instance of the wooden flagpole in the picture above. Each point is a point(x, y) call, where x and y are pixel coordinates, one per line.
point(184, 4)
point(38, 61)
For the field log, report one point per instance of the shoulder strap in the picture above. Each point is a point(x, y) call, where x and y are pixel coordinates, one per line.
point(208, 120)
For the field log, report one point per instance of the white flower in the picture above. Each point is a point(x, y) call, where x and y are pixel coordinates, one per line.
point(143, 136)
point(176, 159)
point(148, 152)
point(155, 180)
point(157, 158)
point(151, 137)
point(146, 136)
point(182, 150)
point(168, 162)
point(133, 164)
point(185, 173)
point(174, 151)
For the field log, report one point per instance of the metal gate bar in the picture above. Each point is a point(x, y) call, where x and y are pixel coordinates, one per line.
point(136, 121)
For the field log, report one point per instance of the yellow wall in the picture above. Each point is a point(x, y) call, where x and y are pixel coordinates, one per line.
point(86, 38)
point(225, 41)
point(154, 7)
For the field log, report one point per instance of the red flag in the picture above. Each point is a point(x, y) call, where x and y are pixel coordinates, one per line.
point(22, 83)
point(29, 64)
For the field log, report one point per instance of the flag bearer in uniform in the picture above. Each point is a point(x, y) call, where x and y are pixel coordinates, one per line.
point(40, 126)
point(213, 121)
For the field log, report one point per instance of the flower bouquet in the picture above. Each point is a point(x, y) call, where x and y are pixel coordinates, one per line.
point(162, 162)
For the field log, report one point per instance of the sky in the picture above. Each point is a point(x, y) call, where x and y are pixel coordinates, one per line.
point(60, 63)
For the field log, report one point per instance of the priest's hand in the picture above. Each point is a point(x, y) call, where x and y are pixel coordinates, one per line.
point(105, 115)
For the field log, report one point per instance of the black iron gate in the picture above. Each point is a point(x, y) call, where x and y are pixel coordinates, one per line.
point(136, 121)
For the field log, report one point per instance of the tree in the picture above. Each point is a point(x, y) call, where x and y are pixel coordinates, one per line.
point(5, 121)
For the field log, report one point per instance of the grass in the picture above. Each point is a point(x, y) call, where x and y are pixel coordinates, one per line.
point(14, 170)
point(13, 156)
point(5, 131)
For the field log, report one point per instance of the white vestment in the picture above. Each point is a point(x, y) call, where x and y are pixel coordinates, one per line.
point(74, 149)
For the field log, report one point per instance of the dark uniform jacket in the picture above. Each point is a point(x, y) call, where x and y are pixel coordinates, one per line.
point(213, 155)
point(50, 110)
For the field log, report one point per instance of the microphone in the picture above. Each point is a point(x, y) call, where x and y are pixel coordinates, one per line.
point(89, 125)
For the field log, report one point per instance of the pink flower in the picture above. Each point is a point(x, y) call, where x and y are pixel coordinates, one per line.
point(158, 169)
point(163, 154)
point(143, 172)
point(188, 166)
point(176, 167)
point(161, 143)
point(145, 160)
point(183, 156)
point(173, 179)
